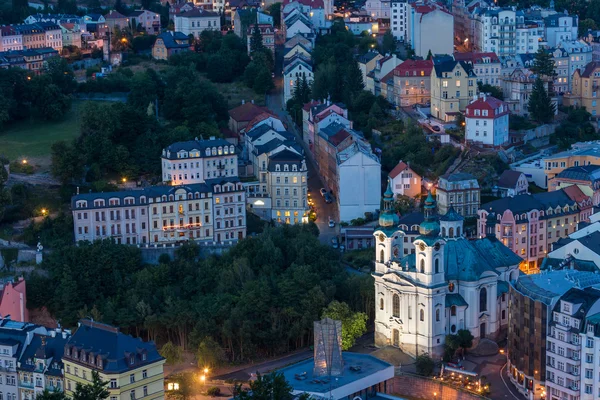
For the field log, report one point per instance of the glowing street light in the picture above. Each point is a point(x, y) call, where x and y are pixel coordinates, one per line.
point(44, 211)
point(124, 180)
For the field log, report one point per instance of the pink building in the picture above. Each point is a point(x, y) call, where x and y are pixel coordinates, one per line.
point(529, 224)
point(316, 115)
point(13, 300)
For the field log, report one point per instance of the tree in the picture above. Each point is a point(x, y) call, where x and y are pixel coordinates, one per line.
point(543, 64)
point(48, 395)
point(263, 82)
point(465, 338)
point(220, 68)
point(67, 164)
point(354, 324)
point(494, 91)
point(587, 25)
point(275, 12)
point(388, 42)
point(256, 40)
point(540, 105)
point(429, 55)
point(93, 391)
point(186, 383)
point(266, 387)
point(424, 364)
point(172, 353)
point(209, 354)
point(404, 204)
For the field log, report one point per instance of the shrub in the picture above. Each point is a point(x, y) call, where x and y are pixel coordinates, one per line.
point(213, 391)
point(424, 364)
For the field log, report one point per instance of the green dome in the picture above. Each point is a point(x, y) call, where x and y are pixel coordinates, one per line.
point(451, 215)
point(430, 226)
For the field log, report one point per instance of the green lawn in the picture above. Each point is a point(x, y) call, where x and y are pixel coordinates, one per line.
point(34, 138)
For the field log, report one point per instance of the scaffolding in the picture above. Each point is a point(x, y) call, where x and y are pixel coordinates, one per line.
point(328, 348)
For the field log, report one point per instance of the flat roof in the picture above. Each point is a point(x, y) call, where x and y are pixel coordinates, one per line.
point(357, 367)
point(548, 285)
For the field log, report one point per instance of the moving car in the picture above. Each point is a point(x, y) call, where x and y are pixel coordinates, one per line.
point(328, 198)
point(435, 128)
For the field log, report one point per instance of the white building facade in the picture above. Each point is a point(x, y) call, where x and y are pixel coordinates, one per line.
point(399, 19)
point(430, 28)
point(486, 120)
point(195, 21)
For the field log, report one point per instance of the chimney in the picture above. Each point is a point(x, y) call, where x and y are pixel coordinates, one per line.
point(484, 96)
point(64, 334)
point(77, 189)
point(52, 333)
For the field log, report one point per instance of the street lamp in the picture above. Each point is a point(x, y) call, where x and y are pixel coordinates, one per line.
point(124, 180)
point(44, 211)
point(24, 162)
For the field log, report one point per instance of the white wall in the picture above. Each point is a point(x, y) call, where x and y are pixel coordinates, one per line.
point(434, 31)
point(360, 187)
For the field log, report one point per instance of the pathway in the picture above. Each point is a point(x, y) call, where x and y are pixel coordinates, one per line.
point(494, 368)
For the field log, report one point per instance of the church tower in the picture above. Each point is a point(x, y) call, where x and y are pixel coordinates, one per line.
point(388, 239)
point(429, 246)
point(451, 224)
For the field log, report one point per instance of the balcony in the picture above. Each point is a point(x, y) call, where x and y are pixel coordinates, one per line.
point(27, 385)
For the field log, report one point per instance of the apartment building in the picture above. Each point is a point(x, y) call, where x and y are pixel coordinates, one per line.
point(147, 20)
point(399, 19)
point(486, 121)
point(560, 28)
point(195, 161)
point(532, 300)
point(580, 55)
point(33, 36)
point(378, 9)
point(580, 154)
point(486, 66)
point(41, 366)
point(133, 368)
point(295, 70)
point(197, 20)
point(584, 92)
point(268, 36)
point(517, 88)
point(453, 85)
point(287, 179)
point(459, 190)
point(412, 82)
point(573, 341)
point(585, 177)
point(382, 68)
point(358, 181)
point(561, 69)
point(404, 181)
point(10, 39)
point(317, 115)
point(528, 224)
point(430, 27)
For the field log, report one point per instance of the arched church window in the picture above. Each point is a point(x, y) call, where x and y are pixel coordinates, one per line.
point(381, 256)
point(422, 266)
point(453, 311)
point(483, 300)
point(437, 315)
point(451, 232)
point(422, 315)
point(381, 304)
point(458, 231)
point(444, 232)
point(437, 265)
point(396, 306)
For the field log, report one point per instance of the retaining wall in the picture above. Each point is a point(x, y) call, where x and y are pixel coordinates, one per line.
point(424, 388)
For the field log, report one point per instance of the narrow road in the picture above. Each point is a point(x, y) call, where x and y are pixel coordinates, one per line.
point(266, 367)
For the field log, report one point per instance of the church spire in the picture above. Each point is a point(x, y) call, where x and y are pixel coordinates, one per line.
point(387, 217)
point(430, 226)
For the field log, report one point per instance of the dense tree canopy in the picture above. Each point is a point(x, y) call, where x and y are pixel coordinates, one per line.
point(540, 104)
point(576, 128)
point(259, 299)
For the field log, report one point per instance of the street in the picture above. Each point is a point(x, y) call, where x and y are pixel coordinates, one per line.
point(274, 101)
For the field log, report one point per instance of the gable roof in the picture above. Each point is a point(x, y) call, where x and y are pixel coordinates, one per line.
point(197, 13)
point(114, 14)
point(402, 166)
point(296, 60)
point(449, 65)
point(246, 112)
point(190, 145)
point(590, 68)
point(509, 179)
point(170, 39)
point(476, 57)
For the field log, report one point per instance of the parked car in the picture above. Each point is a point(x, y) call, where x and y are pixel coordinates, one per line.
point(436, 128)
point(323, 191)
point(331, 223)
point(328, 198)
point(334, 242)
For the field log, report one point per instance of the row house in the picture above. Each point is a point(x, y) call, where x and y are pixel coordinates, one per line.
point(146, 21)
point(528, 224)
point(281, 190)
point(459, 191)
point(34, 37)
point(71, 34)
point(162, 214)
point(10, 39)
point(33, 60)
point(584, 91)
point(453, 85)
point(561, 69)
point(316, 115)
point(195, 161)
point(367, 62)
point(412, 82)
point(295, 70)
point(132, 368)
point(486, 66)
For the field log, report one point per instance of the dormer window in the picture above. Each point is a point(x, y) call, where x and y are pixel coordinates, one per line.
point(231, 150)
point(132, 360)
point(277, 167)
point(214, 151)
point(286, 167)
point(208, 152)
point(144, 357)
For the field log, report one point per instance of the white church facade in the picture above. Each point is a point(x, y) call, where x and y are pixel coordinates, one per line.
point(449, 283)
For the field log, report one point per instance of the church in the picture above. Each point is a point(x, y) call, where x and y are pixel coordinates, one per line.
point(448, 283)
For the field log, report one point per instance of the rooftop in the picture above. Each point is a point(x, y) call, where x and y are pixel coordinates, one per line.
point(356, 367)
point(509, 179)
point(548, 285)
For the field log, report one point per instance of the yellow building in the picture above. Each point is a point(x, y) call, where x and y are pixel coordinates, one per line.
point(453, 85)
point(581, 154)
point(585, 89)
point(133, 368)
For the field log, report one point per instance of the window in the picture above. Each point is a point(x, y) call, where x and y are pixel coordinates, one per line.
point(396, 306)
point(483, 300)
point(381, 304)
point(113, 384)
point(131, 378)
point(144, 374)
point(422, 266)
point(132, 395)
point(437, 315)
point(437, 265)
point(422, 315)
point(145, 390)
point(453, 311)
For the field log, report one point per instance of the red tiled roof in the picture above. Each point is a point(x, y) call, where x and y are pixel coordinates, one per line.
point(259, 118)
point(398, 169)
point(246, 112)
point(339, 137)
point(411, 66)
point(575, 193)
point(476, 58)
point(486, 103)
point(310, 104)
